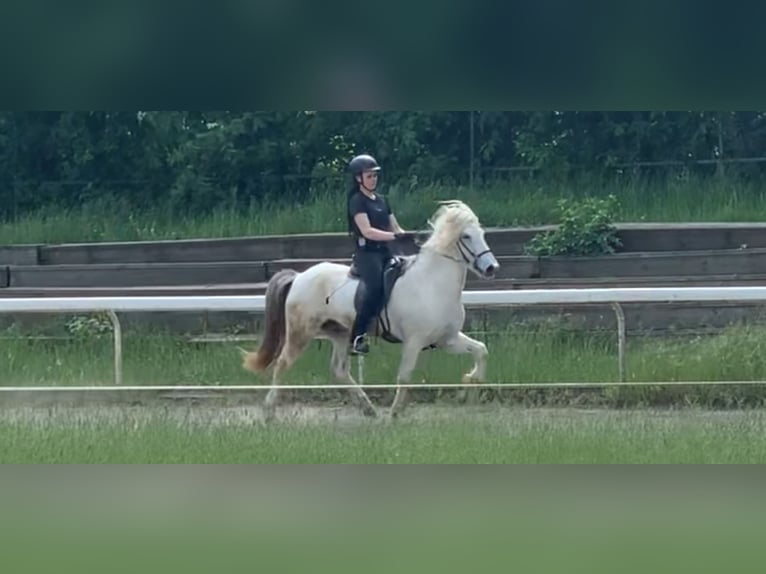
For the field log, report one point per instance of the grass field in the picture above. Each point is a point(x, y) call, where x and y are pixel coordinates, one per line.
point(427, 435)
point(333, 520)
point(517, 202)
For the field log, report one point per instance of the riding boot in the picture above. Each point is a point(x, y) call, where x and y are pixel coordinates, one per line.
point(370, 267)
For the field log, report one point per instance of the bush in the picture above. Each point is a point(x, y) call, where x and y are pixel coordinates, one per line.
point(586, 228)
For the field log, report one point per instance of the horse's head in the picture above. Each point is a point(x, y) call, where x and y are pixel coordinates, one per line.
point(458, 233)
point(475, 251)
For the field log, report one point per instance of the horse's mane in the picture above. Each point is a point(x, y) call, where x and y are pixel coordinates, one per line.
point(447, 223)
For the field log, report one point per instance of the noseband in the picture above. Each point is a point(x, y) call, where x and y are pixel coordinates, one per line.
point(463, 248)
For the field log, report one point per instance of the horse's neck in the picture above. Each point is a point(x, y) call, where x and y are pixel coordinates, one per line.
point(445, 270)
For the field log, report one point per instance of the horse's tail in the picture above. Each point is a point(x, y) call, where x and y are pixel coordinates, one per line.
point(271, 345)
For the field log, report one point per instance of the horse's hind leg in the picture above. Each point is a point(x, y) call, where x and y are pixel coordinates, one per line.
point(462, 343)
point(296, 341)
point(341, 368)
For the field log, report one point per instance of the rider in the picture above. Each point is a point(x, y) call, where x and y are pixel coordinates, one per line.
point(373, 226)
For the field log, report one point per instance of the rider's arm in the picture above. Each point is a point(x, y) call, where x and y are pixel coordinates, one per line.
point(371, 233)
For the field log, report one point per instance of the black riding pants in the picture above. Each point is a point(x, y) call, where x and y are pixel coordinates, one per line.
point(370, 265)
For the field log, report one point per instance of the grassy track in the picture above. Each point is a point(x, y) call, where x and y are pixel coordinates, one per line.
point(450, 435)
point(519, 202)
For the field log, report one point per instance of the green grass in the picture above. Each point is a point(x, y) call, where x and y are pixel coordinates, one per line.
point(540, 353)
point(517, 202)
point(337, 520)
point(490, 436)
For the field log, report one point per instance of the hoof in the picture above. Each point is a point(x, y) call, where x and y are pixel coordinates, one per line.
point(269, 414)
point(469, 395)
point(370, 412)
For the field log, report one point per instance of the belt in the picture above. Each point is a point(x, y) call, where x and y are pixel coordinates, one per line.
point(368, 245)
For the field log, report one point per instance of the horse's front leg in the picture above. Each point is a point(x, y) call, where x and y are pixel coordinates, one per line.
point(411, 351)
point(461, 344)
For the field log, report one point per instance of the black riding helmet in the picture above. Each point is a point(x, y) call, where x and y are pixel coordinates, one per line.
point(361, 163)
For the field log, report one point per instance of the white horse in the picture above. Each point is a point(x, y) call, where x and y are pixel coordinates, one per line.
point(424, 308)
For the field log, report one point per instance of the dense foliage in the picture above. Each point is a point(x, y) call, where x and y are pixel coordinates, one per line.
point(194, 161)
point(586, 228)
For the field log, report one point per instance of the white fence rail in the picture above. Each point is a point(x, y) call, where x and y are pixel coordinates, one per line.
point(255, 303)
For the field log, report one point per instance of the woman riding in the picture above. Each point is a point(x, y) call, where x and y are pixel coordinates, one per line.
point(373, 226)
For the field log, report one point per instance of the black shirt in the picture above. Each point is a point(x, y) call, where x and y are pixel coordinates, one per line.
point(378, 212)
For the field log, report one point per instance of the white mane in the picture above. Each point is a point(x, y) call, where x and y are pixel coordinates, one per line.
point(448, 223)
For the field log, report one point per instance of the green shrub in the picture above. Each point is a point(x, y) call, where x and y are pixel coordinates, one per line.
point(585, 228)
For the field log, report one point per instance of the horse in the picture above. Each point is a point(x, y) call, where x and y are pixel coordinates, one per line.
point(422, 307)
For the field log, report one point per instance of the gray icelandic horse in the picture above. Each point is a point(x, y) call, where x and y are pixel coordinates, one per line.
point(424, 308)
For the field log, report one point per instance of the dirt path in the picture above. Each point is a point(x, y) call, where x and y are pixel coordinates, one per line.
point(301, 414)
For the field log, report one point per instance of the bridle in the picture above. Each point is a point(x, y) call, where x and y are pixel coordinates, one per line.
point(465, 252)
point(462, 248)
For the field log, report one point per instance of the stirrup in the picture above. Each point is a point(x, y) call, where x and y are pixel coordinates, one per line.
point(360, 346)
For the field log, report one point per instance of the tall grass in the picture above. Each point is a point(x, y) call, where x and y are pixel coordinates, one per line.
point(516, 355)
point(510, 203)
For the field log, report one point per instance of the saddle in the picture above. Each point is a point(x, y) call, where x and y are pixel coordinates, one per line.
point(394, 268)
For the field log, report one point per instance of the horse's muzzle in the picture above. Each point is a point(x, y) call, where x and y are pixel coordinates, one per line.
point(486, 265)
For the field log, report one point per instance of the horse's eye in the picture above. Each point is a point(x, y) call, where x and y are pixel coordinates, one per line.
point(466, 236)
